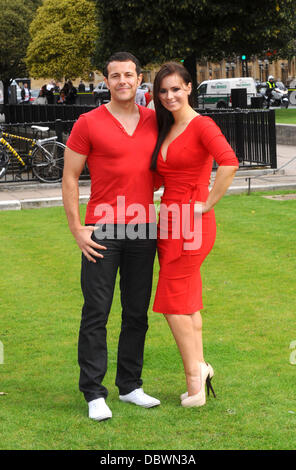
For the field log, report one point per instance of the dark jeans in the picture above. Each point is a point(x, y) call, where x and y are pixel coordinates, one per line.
point(135, 259)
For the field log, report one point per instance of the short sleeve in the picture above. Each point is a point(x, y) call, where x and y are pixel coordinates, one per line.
point(216, 144)
point(79, 140)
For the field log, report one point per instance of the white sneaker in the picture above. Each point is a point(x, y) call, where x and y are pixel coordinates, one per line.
point(138, 397)
point(99, 410)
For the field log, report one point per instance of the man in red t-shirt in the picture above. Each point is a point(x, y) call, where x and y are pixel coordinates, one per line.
point(116, 141)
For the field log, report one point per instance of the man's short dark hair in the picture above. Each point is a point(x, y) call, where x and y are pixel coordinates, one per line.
point(122, 57)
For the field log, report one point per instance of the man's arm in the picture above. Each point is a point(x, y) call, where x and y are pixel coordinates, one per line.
point(73, 166)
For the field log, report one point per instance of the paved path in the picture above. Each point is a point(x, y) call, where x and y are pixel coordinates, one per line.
point(16, 196)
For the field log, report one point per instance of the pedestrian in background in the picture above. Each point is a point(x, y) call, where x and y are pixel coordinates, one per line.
point(62, 98)
point(140, 97)
point(41, 99)
point(48, 93)
point(149, 94)
point(81, 87)
point(72, 93)
point(25, 94)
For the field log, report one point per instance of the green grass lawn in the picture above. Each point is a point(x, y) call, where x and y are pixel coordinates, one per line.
point(285, 116)
point(249, 324)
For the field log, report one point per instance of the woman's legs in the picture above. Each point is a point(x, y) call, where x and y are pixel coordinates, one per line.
point(187, 331)
point(197, 326)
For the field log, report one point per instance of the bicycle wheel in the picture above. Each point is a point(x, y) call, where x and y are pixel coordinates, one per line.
point(4, 161)
point(48, 162)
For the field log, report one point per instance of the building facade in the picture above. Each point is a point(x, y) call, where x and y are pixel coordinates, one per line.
point(283, 70)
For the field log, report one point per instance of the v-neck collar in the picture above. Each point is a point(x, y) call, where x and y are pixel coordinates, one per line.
point(176, 138)
point(118, 123)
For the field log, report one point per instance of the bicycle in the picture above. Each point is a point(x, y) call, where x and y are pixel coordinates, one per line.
point(45, 156)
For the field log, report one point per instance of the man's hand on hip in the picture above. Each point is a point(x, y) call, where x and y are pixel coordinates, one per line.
point(86, 244)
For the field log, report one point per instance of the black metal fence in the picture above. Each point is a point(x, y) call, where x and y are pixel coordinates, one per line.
point(251, 133)
point(29, 113)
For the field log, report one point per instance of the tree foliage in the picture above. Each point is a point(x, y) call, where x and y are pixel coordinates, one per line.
point(14, 37)
point(63, 37)
point(156, 31)
point(16, 16)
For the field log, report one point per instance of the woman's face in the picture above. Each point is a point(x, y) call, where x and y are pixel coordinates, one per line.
point(174, 92)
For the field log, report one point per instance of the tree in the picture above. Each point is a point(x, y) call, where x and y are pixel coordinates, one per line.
point(16, 16)
point(63, 37)
point(192, 29)
point(289, 50)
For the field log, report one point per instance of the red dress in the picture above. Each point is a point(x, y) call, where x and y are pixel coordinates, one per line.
point(186, 175)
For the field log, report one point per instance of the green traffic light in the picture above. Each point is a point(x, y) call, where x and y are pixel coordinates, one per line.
point(244, 57)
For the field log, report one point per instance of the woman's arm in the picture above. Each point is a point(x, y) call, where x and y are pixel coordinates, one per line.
point(217, 146)
point(223, 180)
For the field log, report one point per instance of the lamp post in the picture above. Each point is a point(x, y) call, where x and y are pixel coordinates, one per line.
point(266, 62)
point(260, 63)
point(233, 66)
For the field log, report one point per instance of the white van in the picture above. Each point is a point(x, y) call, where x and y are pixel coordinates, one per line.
point(217, 93)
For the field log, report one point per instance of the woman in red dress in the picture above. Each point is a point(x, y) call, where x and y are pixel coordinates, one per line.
point(183, 159)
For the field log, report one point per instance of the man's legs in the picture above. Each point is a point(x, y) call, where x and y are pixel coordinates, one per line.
point(97, 283)
point(136, 270)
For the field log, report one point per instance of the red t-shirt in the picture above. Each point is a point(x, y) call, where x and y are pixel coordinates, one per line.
point(121, 181)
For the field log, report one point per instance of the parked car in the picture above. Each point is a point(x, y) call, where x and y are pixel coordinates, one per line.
point(101, 94)
point(217, 93)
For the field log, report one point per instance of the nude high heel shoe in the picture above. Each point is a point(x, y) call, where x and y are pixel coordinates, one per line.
point(211, 374)
point(199, 399)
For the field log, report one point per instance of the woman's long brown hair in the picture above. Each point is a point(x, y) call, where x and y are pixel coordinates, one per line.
point(164, 117)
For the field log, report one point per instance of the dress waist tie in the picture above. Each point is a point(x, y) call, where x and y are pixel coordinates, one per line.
point(189, 197)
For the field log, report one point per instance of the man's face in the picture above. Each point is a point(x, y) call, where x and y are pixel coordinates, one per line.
point(123, 80)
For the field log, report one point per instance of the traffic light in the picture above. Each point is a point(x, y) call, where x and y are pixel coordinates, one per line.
point(244, 65)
